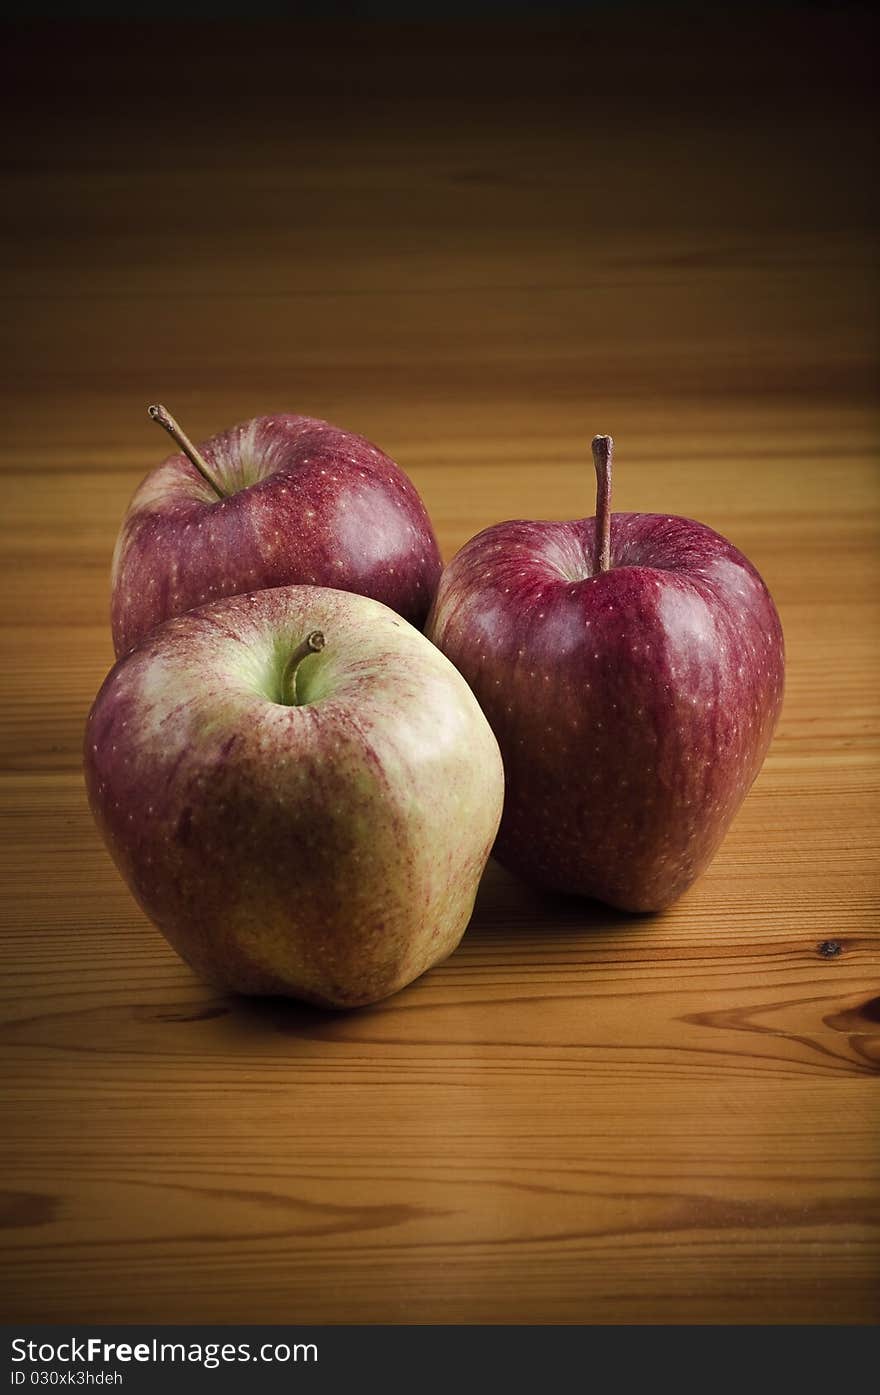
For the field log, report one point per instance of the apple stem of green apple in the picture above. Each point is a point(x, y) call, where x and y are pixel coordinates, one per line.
point(312, 644)
point(164, 418)
point(603, 452)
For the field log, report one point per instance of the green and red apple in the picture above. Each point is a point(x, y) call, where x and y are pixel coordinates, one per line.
point(300, 790)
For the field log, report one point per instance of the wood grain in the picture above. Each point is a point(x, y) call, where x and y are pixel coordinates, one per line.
point(478, 248)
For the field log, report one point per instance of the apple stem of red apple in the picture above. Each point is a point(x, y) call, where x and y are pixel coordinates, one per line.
point(603, 452)
point(312, 644)
point(164, 418)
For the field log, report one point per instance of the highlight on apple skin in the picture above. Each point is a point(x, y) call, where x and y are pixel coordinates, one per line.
point(275, 501)
point(632, 669)
point(300, 790)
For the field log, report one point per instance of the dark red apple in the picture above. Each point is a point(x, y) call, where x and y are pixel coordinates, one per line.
point(272, 502)
point(631, 667)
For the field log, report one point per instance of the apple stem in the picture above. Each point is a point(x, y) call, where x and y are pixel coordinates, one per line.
point(164, 418)
point(603, 452)
point(312, 644)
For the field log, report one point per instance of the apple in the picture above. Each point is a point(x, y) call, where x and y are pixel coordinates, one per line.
point(631, 667)
point(299, 789)
point(272, 502)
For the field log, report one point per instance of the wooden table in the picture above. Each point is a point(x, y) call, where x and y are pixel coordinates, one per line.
point(478, 248)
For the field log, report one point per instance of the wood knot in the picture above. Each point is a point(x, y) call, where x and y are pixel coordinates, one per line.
point(830, 949)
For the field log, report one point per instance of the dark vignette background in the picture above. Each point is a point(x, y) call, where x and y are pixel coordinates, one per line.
point(655, 156)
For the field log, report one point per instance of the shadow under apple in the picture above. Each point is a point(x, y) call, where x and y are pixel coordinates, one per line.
point(508, 906)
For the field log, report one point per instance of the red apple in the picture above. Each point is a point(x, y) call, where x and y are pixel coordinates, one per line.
point(274, 501)
point(631, 667)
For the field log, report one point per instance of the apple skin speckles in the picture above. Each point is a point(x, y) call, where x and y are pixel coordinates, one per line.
point(667, 674)
point(307, 502)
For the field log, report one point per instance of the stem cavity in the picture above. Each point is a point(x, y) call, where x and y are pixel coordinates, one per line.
point(603, 452)
point(164, 418)
point(312, 644)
